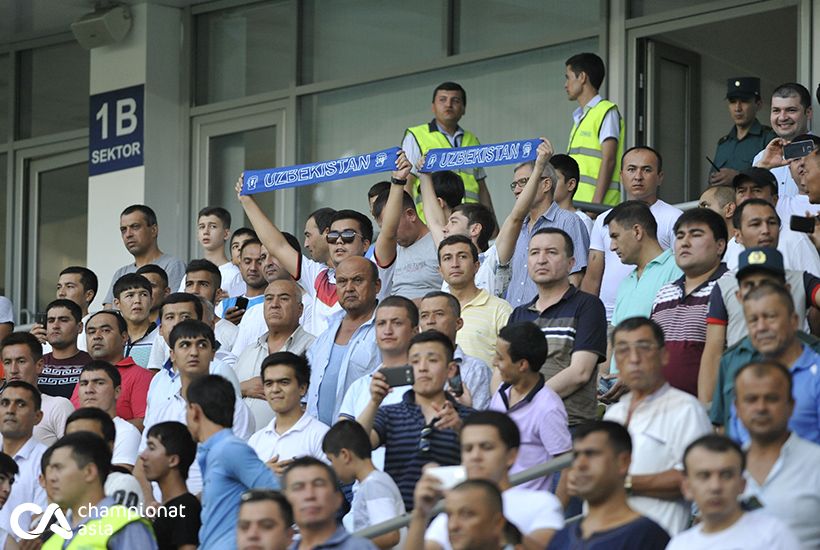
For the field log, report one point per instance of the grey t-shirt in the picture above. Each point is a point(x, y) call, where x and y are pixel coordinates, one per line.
point(416, 271)
point(375, 499)
point(173, 266)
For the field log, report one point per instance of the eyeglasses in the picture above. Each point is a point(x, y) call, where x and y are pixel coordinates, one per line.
point(348, 236)
point(642, 348)
point(521, 183)
point(424, 442)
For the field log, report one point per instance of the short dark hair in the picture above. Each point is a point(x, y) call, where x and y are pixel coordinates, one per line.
point(206, 265)
point(631, 213)
point(377, 189)
point(737, 217)
point(791, 89)
point(87, 277)
point(365, 225)
point(619, 438)
point(24, 339)
point(449, 187)
point(250, 242)
point(121, 324)
point(526, 342)
point(307, 462)
point(85, 448)
point(300, 365)
point(402, 302)
point(130, 281)
point(569, 246)
point(177, 440)
point(218, 212)
point(72, 307)
point(322, 217)
point(147, 212)
point(768, 288)
point(347, 434)
point(478, 213)
point(451, 87)
point(709, 218)
point(718, 444)
point(507, 429)
point(109, 369)
point(452, 301)
point(568, 167)
point(215, 396)
point(655, 152)
point(434, 336)
point(763, 368)
point(107, 426)
point(458, 239)
point(36, 397)
point(492, 495)
point(8, 467)
point(269, 495)
point(590, 64)
point(407, 203)
point(156, 270)
point(182, 298)
point(239, 231)
point(191, 328)
point(634, 323)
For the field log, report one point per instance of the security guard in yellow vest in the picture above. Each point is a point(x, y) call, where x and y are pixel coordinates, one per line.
point(449, 105)
point(597, 136)
point(74, 480)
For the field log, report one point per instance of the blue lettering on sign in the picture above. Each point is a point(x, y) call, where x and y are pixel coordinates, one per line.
point(116, 130)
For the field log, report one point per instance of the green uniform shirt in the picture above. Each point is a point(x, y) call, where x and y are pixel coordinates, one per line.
point(738, 154)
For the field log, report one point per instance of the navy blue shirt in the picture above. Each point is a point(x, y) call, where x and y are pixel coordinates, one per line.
point(642, 533)
point(399, 428)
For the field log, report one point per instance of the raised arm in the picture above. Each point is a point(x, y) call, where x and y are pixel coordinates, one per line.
point(433, 212)
point(268, 233)
point(508, 234)
point(391, 215)
point(378, 391)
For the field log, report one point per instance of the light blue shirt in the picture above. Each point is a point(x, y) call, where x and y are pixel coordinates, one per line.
point(636, 294)
point(327, 389)
point(361, 357)
point(522, 290)
point(805, 420)
point(229, 468)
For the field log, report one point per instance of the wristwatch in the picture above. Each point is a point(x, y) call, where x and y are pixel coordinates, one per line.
point(397, 181)
point(628, 484)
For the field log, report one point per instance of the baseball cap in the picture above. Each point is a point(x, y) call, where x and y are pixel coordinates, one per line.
point(756, 259)
point(760, 176)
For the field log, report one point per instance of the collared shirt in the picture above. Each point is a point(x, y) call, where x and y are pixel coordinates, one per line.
point(134, 535)
point(166, 383)
point(26, 487)
point(615, 270)
point(577, 322)
point(738, 154)
point(302, 439)
point(253, 325)
point(399, 429)
point(798, 251)
point(491, 276)
point(637, 294)
point(476, 375)
point(786, 187)
point(361, 357)
point(662, 426)
point(610, 126)
point(791, 490)
point(683, 320)
point(411, 147)
point(522, 289)
point(542, 420)
point(340, 540)
point(483, 317)
point(133, 398)
point(249, 366)
point(229, 468)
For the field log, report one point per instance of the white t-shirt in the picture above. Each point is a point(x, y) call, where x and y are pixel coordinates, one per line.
point(584, 218)
point(56, 411)
point(126, 442)
point(232, 282)
point(302, 439)
point(797, 205)
point(226, 333)
point(753, 531)
point(527, 509)
point(375, 499)
point(799, 254)
point(616, 271)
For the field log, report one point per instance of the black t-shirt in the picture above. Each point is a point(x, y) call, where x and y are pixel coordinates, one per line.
point(178, 522)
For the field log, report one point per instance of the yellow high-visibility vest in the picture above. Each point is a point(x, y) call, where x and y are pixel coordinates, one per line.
point(429, 137)
point(585, 147)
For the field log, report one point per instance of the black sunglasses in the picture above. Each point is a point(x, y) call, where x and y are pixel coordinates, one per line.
point(424, 441)
point(348, 236)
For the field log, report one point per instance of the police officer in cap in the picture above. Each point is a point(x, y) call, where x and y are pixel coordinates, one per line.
point(736, 149)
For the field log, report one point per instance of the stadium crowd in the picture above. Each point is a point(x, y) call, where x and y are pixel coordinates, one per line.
point(278, 392)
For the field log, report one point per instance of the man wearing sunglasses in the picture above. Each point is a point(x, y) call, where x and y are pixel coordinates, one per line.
point(350, 235)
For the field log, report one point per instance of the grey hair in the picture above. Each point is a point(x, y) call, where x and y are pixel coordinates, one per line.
point(547, 172)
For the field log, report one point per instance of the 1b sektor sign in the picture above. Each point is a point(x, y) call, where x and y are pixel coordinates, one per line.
point(116, 130)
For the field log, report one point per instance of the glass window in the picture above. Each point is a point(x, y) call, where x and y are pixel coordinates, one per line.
point(4, 99)
point(245, 51)
point(513, 97)
point(350, 37)
point(639, 8)
point(488, 24)
point(53, 89)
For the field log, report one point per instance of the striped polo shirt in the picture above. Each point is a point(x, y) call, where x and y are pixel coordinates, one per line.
point(683, 320)
point(399, 429)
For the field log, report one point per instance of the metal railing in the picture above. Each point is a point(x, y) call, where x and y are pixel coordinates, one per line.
point(600, 208)
point(540, 470)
